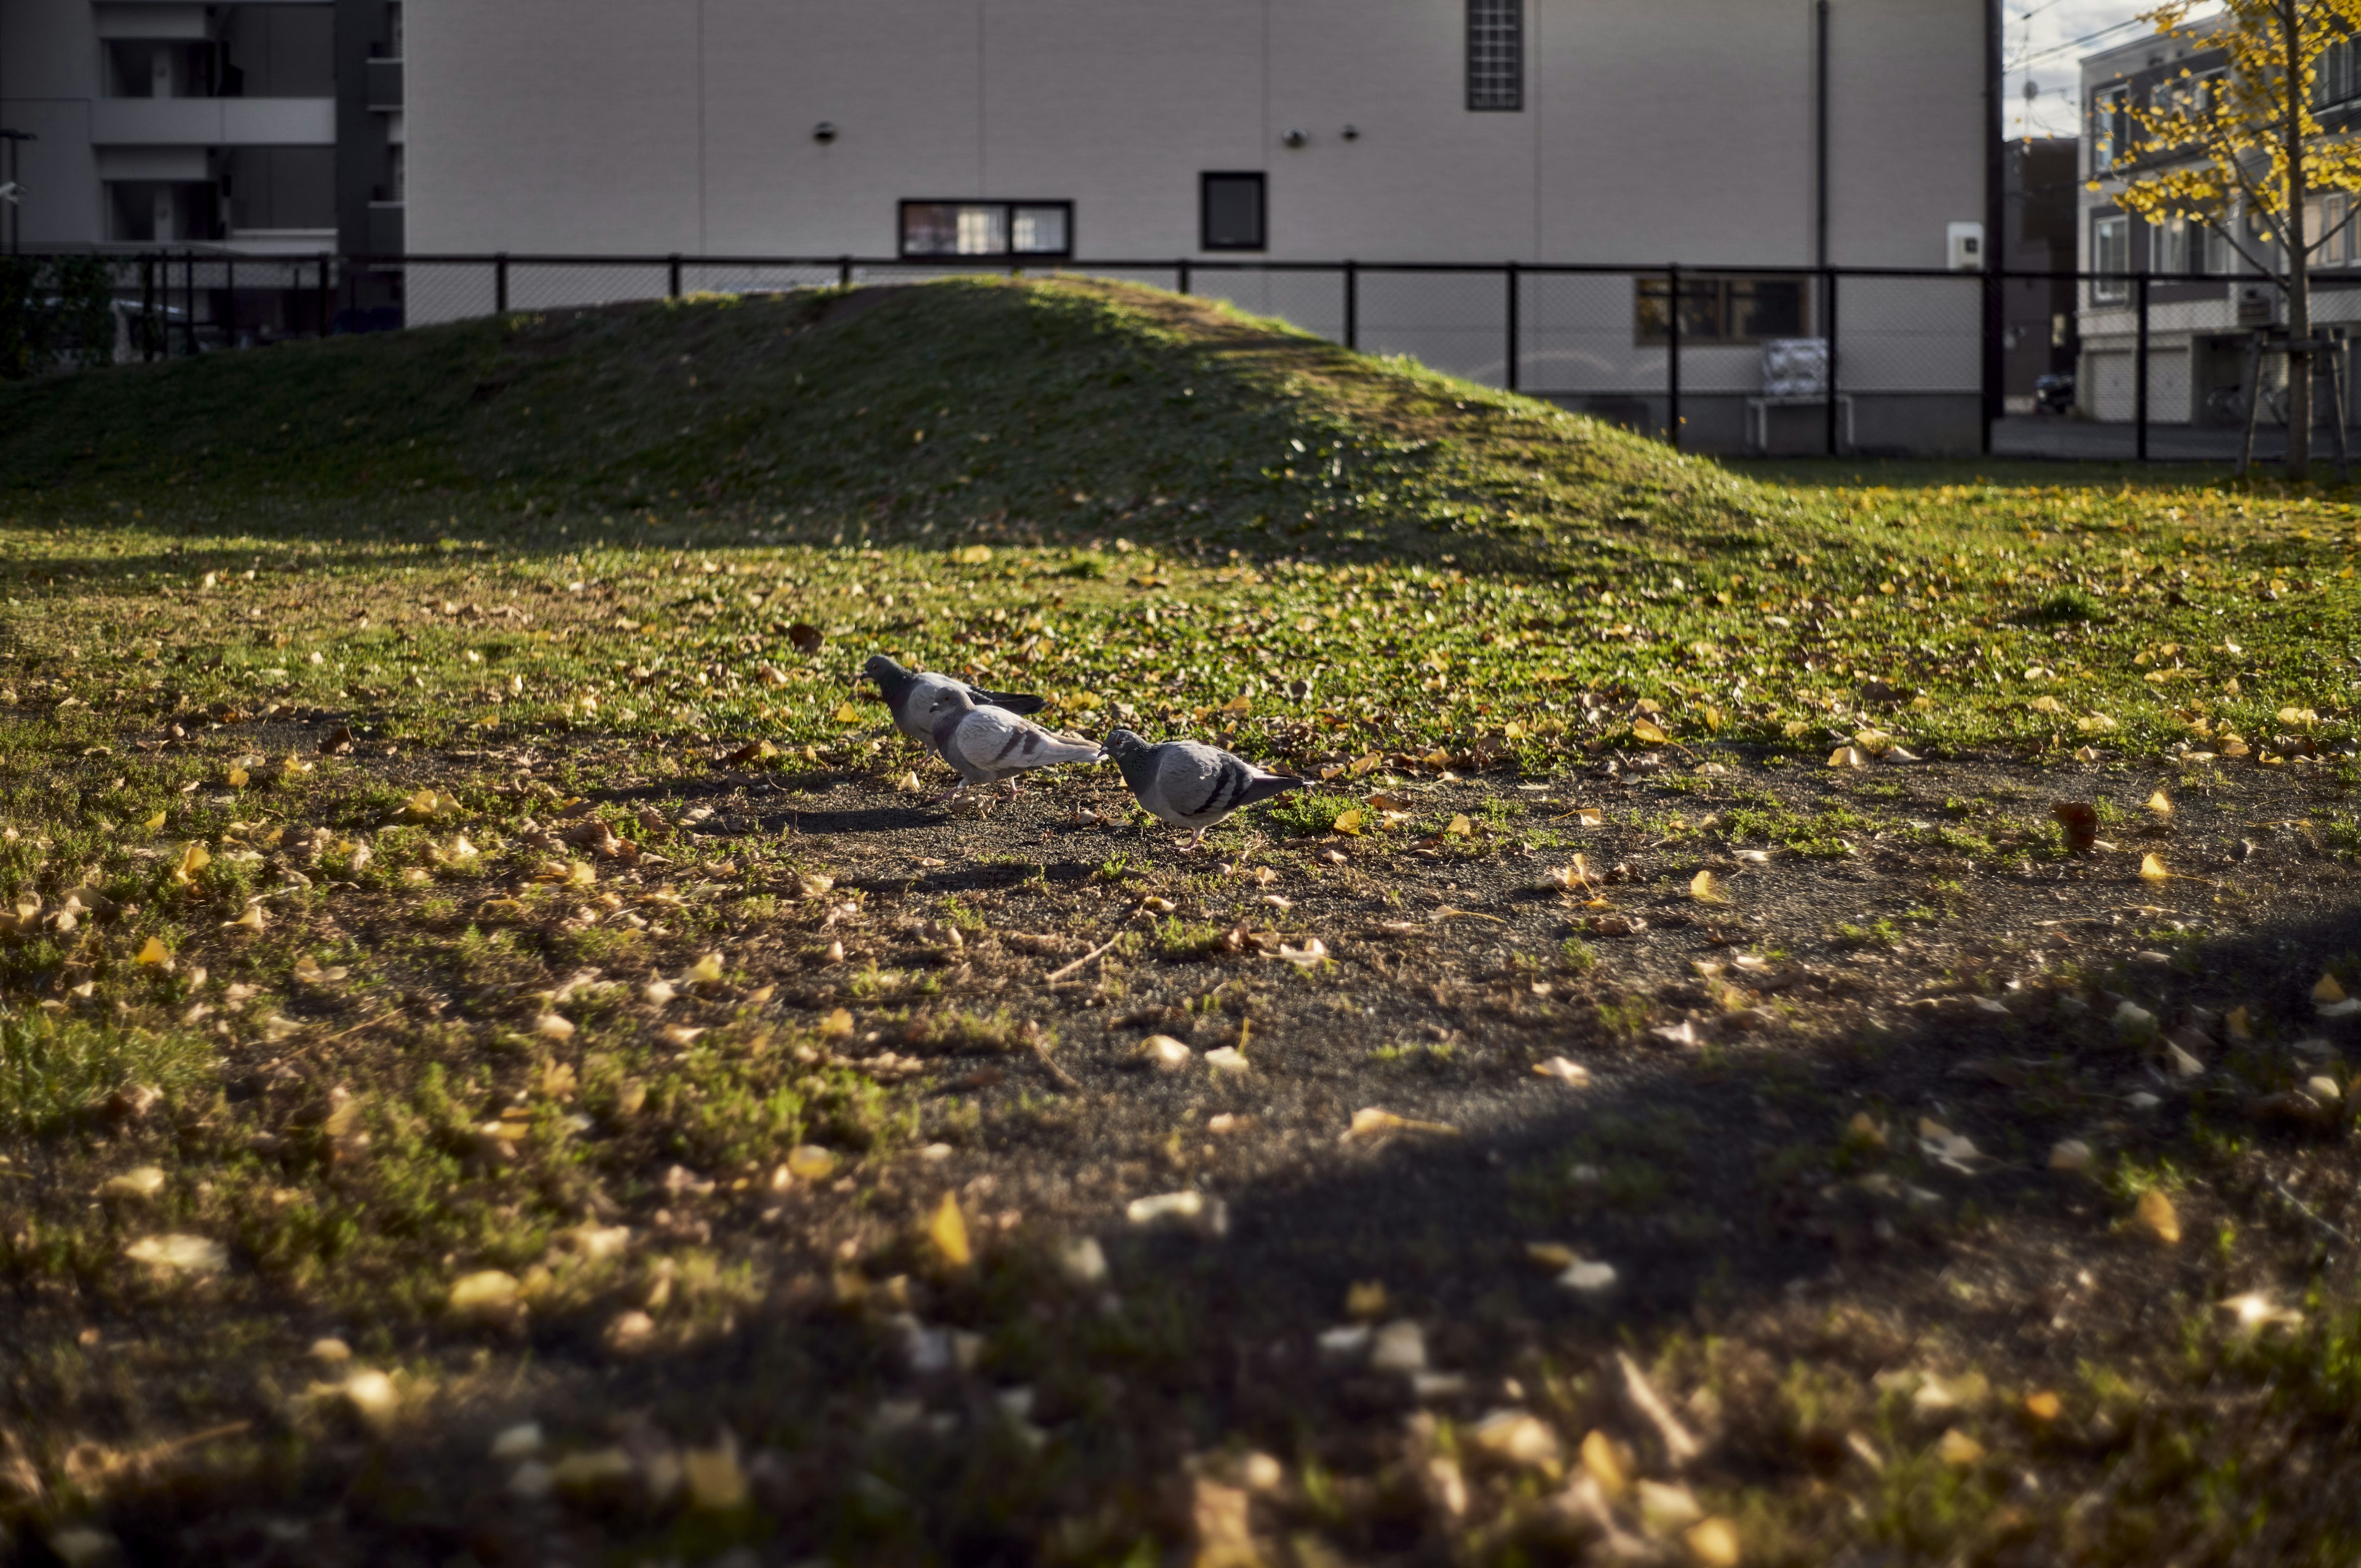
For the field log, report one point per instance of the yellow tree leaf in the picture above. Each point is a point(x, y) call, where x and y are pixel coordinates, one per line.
point(947, 1231)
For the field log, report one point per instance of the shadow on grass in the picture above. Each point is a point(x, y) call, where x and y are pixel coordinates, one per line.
point(1770, 1256)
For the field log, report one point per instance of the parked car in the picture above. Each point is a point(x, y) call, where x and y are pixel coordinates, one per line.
point(2054, 393)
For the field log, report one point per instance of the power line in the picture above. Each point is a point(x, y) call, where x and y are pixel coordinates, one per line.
point(2022, 61)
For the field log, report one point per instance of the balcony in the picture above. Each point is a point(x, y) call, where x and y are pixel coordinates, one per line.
point(385, 84)
point(213, 122)
point(152, 22)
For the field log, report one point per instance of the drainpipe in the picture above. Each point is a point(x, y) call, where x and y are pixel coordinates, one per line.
point(1820, 134)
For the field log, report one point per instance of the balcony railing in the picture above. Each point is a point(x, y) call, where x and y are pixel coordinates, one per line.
point(213, 122)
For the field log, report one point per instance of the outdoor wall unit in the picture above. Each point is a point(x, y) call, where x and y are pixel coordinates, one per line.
point(1963, 248)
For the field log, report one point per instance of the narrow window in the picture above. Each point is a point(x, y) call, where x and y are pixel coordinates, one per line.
point(1496, 55)
point(987, 228)
point(2111, 256)
point(1232, 212)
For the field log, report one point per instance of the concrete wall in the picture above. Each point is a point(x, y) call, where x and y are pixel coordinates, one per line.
point(1664, 129)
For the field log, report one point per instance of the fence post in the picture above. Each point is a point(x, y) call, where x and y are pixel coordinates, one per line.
point(1515, 332)
point(501, 284)
point(189, 296)
point(1994, 370)
point(1672, 357)
point(1829, 288)
point(2139, 374)
point(1180, 271)
point(1353, 306)
point(321, 297)
point(672, 276)
point(845, 272)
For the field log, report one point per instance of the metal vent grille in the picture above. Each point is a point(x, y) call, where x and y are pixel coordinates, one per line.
point(1496, 54)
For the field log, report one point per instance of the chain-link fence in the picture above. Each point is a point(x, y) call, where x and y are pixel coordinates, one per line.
point(1777, 361)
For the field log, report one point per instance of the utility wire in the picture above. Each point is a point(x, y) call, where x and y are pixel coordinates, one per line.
point(2022, 61)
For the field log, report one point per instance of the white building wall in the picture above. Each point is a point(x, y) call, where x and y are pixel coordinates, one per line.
point(1653, 129)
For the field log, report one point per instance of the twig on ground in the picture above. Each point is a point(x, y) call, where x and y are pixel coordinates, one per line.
point(2301, 1207)
point(1037, 1043)
point(1058, 974)
point(1680, 1444)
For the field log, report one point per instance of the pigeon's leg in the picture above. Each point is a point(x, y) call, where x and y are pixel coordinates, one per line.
point(1189, 846)
point(947, 799)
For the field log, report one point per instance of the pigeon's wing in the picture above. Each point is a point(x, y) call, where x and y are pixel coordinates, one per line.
point(1199, 785)
point(991, 743)
point(1014, 702)
point(1179, 778)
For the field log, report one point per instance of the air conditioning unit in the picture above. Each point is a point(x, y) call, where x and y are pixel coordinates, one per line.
point(1964, 248)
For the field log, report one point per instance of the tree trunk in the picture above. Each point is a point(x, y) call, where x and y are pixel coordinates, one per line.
point(2299, 273)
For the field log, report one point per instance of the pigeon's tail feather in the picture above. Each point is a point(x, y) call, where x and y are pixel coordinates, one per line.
point(1014, 702)
point(1267, 785)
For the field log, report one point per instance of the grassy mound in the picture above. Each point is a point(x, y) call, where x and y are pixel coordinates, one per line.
point(1012, 409)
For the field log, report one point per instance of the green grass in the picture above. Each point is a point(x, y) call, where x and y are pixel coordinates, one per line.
point(539, 558)
point(1205, 567)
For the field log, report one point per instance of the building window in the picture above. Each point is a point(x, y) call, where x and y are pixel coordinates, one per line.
point(2170, 242)
point(2111, 127)
point(1231, 213)
point(987, 228)
point(1496, 54)
point(2335, 234)
point(1717, 309)
point(2111, 256)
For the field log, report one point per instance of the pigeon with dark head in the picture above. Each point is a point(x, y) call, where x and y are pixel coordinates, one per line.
point(910, 695)
point(992, 745)
point(1188, 784)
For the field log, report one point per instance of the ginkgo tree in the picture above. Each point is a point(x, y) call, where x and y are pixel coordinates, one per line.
point(2244, 150)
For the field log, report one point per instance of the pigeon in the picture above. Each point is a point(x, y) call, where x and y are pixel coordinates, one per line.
point(1191, 785)
point(992, 745)
point(908, 693)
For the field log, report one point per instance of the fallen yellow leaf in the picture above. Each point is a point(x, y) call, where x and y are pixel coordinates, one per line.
point(848, 714)
point(1706, 888)
point(2327, 990)
point(2158, 1218)
point(947, 1231)
point(1458, 828)
point(1647, 734)
point(1348, 821)
point(2152, 870)
point(2160, 805)
point(154, 953)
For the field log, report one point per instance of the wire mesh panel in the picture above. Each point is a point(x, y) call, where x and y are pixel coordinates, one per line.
point(1313, 300)
point(1596, 342)
point(753, 278)
point(568, 285)
point(1455, 321)
point(435, 292)
point(1909, 363)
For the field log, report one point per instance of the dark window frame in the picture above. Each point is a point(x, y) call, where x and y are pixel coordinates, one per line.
point(1488, 98)
point(1261, 179)
point(1009, 226)
point(1715, 289)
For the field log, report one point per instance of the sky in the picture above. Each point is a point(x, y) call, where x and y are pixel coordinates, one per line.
point(2038, 44)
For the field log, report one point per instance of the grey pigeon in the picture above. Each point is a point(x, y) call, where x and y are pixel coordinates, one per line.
point(1191, 785)
point(992, 745)
point(910, 693)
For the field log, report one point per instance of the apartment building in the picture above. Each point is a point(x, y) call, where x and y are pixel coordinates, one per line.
point(2205, 301)
point(1721, 135)
point(257, 130)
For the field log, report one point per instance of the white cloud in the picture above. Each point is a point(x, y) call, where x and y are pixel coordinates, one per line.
point(2043, 42)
